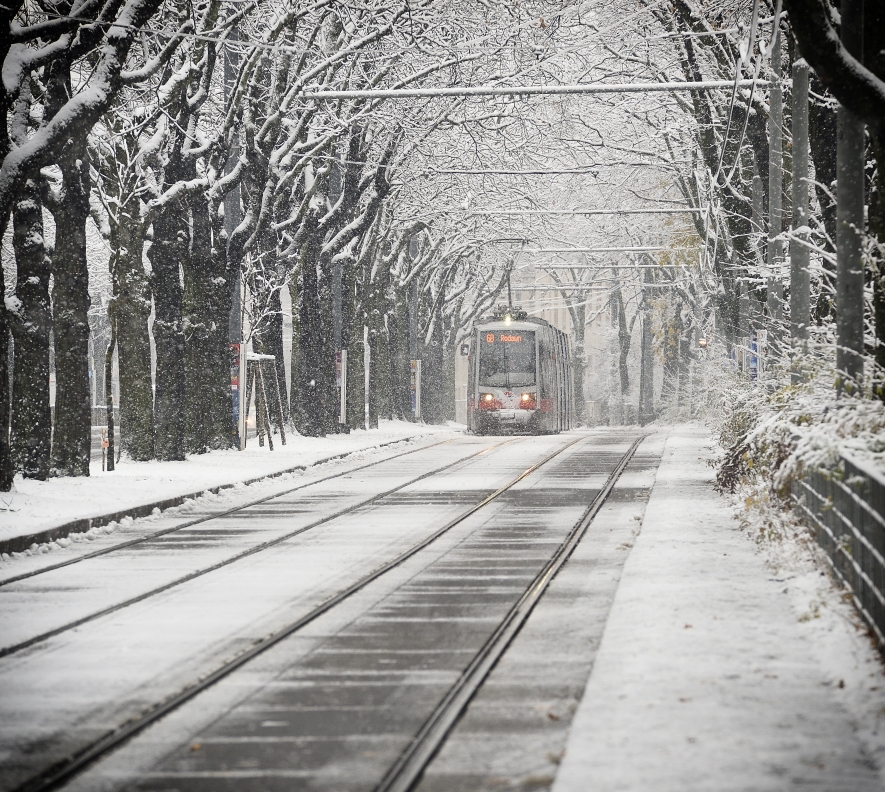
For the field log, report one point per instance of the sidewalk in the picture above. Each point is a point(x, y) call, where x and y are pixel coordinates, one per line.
point(715, 673)
point(44, 511)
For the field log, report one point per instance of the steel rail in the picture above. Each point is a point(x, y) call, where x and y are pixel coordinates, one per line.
point(410, 766)
point(64, 769)
point(13, 648)
point(216, 515)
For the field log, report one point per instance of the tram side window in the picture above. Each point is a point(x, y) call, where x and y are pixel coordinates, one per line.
point(507, 359)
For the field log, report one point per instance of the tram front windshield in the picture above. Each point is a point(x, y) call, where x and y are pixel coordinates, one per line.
point(506, 358)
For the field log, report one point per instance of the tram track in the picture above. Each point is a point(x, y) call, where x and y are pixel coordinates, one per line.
point(64, 769)
point(116, 607)
point(207, 517)
point(409, 767)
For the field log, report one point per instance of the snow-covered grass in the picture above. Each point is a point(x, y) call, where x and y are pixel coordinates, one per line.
point(35, 506)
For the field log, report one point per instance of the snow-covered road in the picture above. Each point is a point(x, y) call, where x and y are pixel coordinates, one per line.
point(702, 675)
point(189, 608)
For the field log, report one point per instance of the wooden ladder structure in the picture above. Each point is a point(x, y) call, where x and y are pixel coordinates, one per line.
point(261, 371)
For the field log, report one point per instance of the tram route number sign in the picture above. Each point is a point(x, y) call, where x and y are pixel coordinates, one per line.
point(504, 338)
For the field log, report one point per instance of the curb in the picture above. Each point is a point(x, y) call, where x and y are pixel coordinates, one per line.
point(18, 544)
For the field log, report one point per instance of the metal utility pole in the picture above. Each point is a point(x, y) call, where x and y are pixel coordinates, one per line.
point(337, 276)
point(758, 198)
point(336, 187)
point(800, 297)
point(232, 218)
point(413, 319)
point(748, 303)
point(850, 220)
point(775, 192)
point(414, 362)
point(646, 364)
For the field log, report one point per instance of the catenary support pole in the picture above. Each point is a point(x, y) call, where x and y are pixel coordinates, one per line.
point(800, 298)
point(413, 319)
point(232, 218)
point(743, 322)
point(775, 195)
point(336, 186)
point(414, 362)
point(850, 220)
point(646, 361)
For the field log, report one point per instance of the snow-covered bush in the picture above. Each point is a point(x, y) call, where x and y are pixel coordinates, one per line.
point(772, 432)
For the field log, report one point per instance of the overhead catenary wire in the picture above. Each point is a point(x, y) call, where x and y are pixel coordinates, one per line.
point(632, 249)
point(526, 90)
point(520, 212)
point(580, 288)
point(580, 267)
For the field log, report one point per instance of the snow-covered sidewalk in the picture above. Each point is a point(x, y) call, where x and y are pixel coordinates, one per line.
point(716, 673)
point(39, 511)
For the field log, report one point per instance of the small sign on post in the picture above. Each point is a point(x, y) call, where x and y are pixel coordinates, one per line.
point(415, 387)
point(242, 393)
point(235, 386)
point(104, 448)
point(341, 384)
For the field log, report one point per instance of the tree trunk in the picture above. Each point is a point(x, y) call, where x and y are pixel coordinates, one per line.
point(273, 342)
point(348, 311)
point(376, 309)
point(6, 469)
point(822, 146)
point(109, 384)
point(646, 370)
point(372, 395)
point(72, 437)
point(167, 250)
point(578, 314)
point(132, 301)
point(325, 370)
point(623, 345)
point(294, 390)
point(356, 377)
point(398, 327)
point(31, 434)
point(199, 364)
point(310, 357)
point(672, 330)
point(207, 300)
point(433, 388)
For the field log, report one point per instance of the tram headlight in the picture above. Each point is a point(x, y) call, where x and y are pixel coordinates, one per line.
point(486, 397)
point(527, 401)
